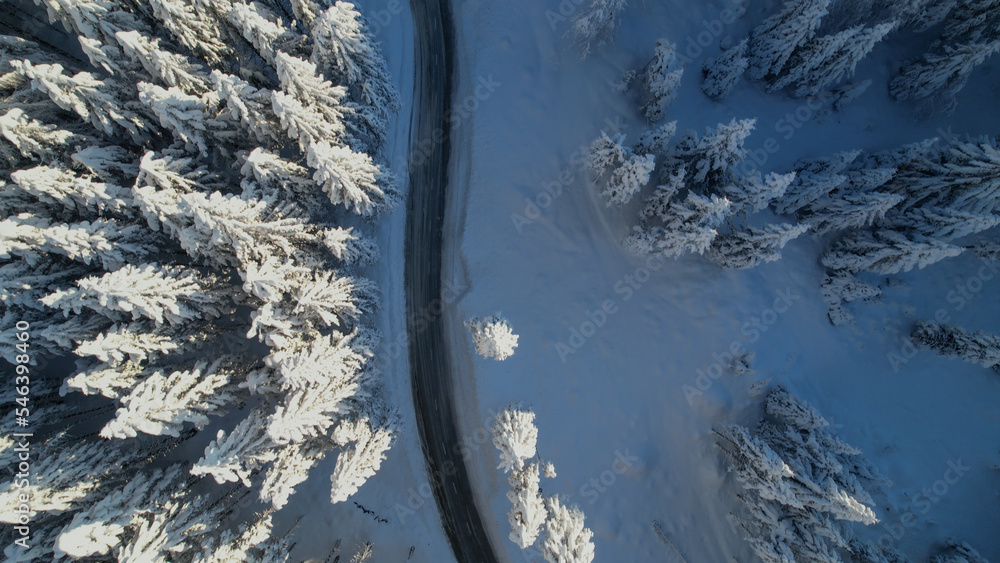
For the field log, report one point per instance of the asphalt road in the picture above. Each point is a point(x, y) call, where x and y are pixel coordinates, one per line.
point(434, 399)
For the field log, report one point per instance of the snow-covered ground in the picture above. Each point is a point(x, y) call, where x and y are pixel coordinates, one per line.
point(404, 514)
point(630, 445)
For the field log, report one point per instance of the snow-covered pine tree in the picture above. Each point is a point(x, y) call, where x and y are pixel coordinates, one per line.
point(527, 511)
point(344, 50)
point(800, 481)
point(774, 41)
point(814, 179)
point(750, 193)
point(624, 173)
point(566, 538)
point(232, 456)
point(515, 437)
point(492, 336)
point(978, 347)
point(827, 60)
point(752, 247)
point(965, 176)
point(596, 24)
point(161, 404)
point(165, 294)
point(971, 21)
point(886, 252)
point(97, 530)
point(365, 441)
point(942, 223)
point(690, 227)
point(59, 186)
point(842, 286)
point(713, 156)
point(661, 77)
point(959, 552)
point(31, 237)
point(830, 214)
point(352, 179)
point(654, 141)
point(723, 73)
point(941, 76)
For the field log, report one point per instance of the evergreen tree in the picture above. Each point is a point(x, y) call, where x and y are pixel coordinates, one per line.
point(724, 73)
point(813, 180)
point(850, 211)
point(773, 42)
point(596, 24)
point(492, 336)
point(566, 538)
point(623, 171)
point(515, 436)
point(886, 252)
point(941, 75)
point(978, 347)
point(713, 156)
point(752, 247)
point(691, 227)
point(660, 80)
point(828, 59)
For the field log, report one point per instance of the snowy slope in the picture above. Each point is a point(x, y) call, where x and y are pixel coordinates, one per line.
point(622, 391)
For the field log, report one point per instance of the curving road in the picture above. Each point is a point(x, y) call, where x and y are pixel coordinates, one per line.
point(434, 400)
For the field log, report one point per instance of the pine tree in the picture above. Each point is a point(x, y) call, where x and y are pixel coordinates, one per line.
point(660, 80)
point(654, 141)
point(97, 530)
point(972, 20)
point(515, 436)
point(251, 107)
point(596, 24)
point(232, 456)
point(57, 185)
point(172, 69)
point(713, 156)
point(814, 179)
point(978, 347)
point(161, 404)
point(840, 287)
point(623, 171)
point(31, 138)
point(752, 247)
point(527, 511)
point(943, 223)
point(353, 179)
point(773, 42)
point(964, 177)
point(751, 193)
point(492, 336)
point(182, 114)
point(88, 97)
point(290, 469)
point(886, 252)
point(181, 19)
point(369, 438)
point(851, 211)
point(724, 73)
point(134, 341)
point(566, 538)
point(941, 75)
point(829, 59)
point(165, 294)
point(343, 48)
point(101, 241)
point(691, 227)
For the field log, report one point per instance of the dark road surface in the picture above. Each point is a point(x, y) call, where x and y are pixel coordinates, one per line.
point(434, 400)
